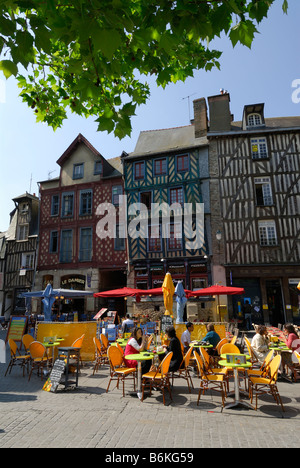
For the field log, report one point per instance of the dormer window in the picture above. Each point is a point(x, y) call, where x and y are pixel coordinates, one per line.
point(98, 167)
point(254, 120)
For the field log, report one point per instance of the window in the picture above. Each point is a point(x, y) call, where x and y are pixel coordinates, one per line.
point(183, 163)
point(267, 233)
point(146, 199)
point(54, 242)
point(175, 236)
point(176, 195)
point(254, 120)
point(263, 191)
point(28, 261)
point(120, 237)
point(86, 202)
point(116, 191)
point(85, 249)
point(55, 205)
point(98, 167)
point(23, 232)
point(67, 204)
point(139, 170)
point(78, 171)
point(154, 238)
point(160, 167)
point(66, 246)
point(259, 148)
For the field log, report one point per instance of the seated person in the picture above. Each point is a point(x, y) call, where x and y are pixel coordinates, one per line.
point(175, 347)
point(186, 336)
point(260, 343)
point(293, 342)
point(137, 343)
point(127, 324)
point(211, 337)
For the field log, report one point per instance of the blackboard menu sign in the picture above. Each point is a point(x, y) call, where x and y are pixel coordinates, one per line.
point(54, 379)
point(166, 321)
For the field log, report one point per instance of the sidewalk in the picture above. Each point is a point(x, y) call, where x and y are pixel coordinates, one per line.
point(90, 417)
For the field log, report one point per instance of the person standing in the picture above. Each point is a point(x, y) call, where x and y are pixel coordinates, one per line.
point(247, 311)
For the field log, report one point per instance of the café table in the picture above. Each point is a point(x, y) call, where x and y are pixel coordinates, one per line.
point(237, 400)
point(143, 356)
point(52, 344)
point(200, 345)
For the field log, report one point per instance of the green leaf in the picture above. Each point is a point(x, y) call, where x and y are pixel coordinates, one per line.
point(243, 32)
point(107, 40)
point(9, 68)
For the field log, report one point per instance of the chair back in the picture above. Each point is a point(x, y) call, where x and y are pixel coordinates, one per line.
point(104, 341)
point(150, 339)
point(97, 344)
point(230, 348)
point(205, 357)
point(37, 350)
point(200, 365)
point(187, 357)
point(27, 340)
point(267, 360)
point(253, 356)
point(274, 366)
point(165, 364)
point(78, 343)
point(220, 344)
point(120, 348)
point(115, 356)
point(13, 347)
point(234, 338)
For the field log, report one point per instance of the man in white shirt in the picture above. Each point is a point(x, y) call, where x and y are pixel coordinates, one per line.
point(186, 336)
point(127, 323)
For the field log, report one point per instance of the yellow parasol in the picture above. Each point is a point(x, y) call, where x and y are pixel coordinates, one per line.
point(168, 289)
point(298, 287)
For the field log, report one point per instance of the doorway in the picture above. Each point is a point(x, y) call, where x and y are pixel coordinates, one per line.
point(275, 302)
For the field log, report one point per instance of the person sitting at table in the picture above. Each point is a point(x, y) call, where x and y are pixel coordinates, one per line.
point(186, 336)
point(137, 343)
point(260, 343)
point(212, 338)
point(293, 342)
point(175, 347)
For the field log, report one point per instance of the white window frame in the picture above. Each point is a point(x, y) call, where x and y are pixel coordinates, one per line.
point(254, 120)
point(265, 183)
point(259, 148)
point(267, 233)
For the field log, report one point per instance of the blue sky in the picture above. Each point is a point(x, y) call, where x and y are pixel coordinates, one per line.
point(263, 74)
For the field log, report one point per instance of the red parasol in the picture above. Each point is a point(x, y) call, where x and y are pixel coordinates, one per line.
point(216, 290)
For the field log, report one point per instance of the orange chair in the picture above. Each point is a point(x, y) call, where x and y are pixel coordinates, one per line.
point(27, 340)
point(251, 352)
point(215, 381)
point(183, 370)
point(220, 344)
point(150, 339)
point(267, 385)
point(39, 358)
point(229, 348)
point(104, 348)
point(78, 344)
point(17, 359)
point(213, 370)
point(159, 379)
point(263, 371)
point(117, 370)
point(97, 344)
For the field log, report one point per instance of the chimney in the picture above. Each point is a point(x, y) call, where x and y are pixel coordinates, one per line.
point(200, 117)
point(219, 113)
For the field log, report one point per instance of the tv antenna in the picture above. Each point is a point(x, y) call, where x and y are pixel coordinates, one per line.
point(188, 98)
point(49, 174)
point(30, 184)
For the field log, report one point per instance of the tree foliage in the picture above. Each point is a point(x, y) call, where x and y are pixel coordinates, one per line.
point(91, 56)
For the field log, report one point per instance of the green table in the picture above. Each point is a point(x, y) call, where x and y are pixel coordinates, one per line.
point(198, 345)
point(143, 356)
point(52, 344)
point(237, 401)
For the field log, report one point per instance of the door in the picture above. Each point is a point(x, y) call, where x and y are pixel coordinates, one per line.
point(275, 302)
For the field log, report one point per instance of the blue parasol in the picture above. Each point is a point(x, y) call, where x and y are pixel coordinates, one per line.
point(181, 301)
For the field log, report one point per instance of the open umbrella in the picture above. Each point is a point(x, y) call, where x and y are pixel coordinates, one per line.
point(181, 301)
point(122, 292)
point(168, 291)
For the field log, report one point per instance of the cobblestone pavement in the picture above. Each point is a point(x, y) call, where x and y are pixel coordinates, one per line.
point(89, 417)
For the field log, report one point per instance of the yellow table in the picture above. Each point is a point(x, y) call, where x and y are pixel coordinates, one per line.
point(237, 401)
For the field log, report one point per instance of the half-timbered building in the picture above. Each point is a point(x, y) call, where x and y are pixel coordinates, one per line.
point(19, 246)
point(72, 252)
point(165, 176)
point(255, 191)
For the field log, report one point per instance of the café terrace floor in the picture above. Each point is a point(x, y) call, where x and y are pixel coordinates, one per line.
point(89, 417)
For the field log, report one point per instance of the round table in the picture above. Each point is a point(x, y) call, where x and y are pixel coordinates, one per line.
point(52, 344)
point(199, 345)
point(143, 356)
point(237, 401)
